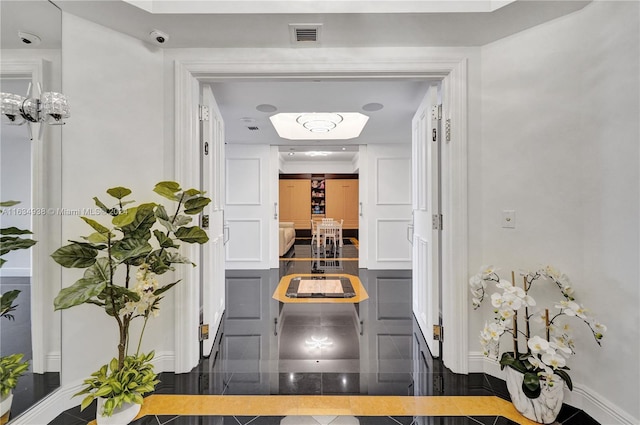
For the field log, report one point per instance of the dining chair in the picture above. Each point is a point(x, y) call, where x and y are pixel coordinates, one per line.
point(314, 230)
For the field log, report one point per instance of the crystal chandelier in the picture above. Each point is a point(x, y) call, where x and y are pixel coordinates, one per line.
point(49, 108)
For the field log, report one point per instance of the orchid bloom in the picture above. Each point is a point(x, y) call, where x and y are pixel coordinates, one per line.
point(552, 359)
point(538, 344)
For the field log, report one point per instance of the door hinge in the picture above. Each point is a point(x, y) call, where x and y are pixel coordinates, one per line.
point(204, 332)
point(447, 130)
point(438, 333)
point(204, 221)
point(436, 221)
point(436, 112)
point(203, 113)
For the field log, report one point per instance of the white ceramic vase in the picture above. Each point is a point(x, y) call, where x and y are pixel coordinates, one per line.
point(545, 408)
point(121, 416)
point(5, 403)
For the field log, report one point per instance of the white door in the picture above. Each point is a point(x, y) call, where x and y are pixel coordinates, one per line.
point(212, 289)
point(387, 206)
point(427, 217)
point(249, 210)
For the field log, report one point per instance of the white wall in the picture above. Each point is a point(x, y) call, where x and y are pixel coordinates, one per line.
point(115, 137)
point(560, 146)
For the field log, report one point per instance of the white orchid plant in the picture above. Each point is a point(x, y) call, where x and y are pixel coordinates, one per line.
point(546, 335)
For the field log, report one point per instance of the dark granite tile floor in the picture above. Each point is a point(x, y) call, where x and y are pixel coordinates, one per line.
point(376, 349)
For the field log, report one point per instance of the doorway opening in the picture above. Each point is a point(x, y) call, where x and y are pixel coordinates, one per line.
point(453, 76)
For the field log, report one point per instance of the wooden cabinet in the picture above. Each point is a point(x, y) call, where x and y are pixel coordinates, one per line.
point(341, 197)
point(294, 202)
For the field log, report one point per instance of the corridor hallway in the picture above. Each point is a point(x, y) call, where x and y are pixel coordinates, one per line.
point(310, 361)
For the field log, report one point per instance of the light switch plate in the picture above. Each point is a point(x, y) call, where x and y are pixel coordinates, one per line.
point(509, 219)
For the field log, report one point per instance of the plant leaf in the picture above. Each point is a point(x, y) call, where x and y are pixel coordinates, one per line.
point(97, 238)
point(174, 257)
point(192, 235)
point(100, 271)
point(164, 289)
point(130, 248)
point(167, 189)
point(168, 225)
point(75, 256)
point(531, 385)
point(181, 220)
point(565, 377)
point(119, 192)
point(15, 231)
point(78, 293)
point(141, 225)
point(11, 243)
point(164, 240)
point(6, 303)
point(96, 226)
point(161, 212)
point(196, 205)
point(86, 402)
point(9, 203)
point(192, 192)
point(125, 218)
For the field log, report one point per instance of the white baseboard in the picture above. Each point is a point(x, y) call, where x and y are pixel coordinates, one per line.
point(595, 405)
point(164, 361)
point(53, 362)
point(15, 272)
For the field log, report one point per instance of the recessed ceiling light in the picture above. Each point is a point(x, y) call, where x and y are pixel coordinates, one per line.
point(319, 125)
point(370, 107)
point(344, 149)
point(291, 153)
point(265, 107)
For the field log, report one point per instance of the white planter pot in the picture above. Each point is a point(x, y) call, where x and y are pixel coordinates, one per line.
point(121, 416)
point(5, 403)
point(543, 409)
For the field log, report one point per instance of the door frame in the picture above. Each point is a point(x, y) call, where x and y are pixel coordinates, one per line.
point(453, 72)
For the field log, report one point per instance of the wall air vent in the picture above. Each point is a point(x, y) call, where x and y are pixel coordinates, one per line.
point(305, 34)
point(253, 128)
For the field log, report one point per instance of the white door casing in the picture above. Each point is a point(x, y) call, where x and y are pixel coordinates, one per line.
point(426, 210)
point(211, 265)
point(454, 88)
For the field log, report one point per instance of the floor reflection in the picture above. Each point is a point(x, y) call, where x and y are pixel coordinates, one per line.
point(374, 347)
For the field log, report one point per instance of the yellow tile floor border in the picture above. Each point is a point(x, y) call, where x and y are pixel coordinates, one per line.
point(280, 293)
point(359, 405)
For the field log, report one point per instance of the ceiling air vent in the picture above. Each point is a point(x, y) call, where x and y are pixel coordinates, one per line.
point(305, 34)
point(253, 128)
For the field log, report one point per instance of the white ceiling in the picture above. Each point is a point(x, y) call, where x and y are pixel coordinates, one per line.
point(353, 23)
point(391, 124)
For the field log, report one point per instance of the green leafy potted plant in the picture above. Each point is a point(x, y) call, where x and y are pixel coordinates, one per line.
point(143, 242)
point(535, 376)
point(11, 366)
point(114, 387)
